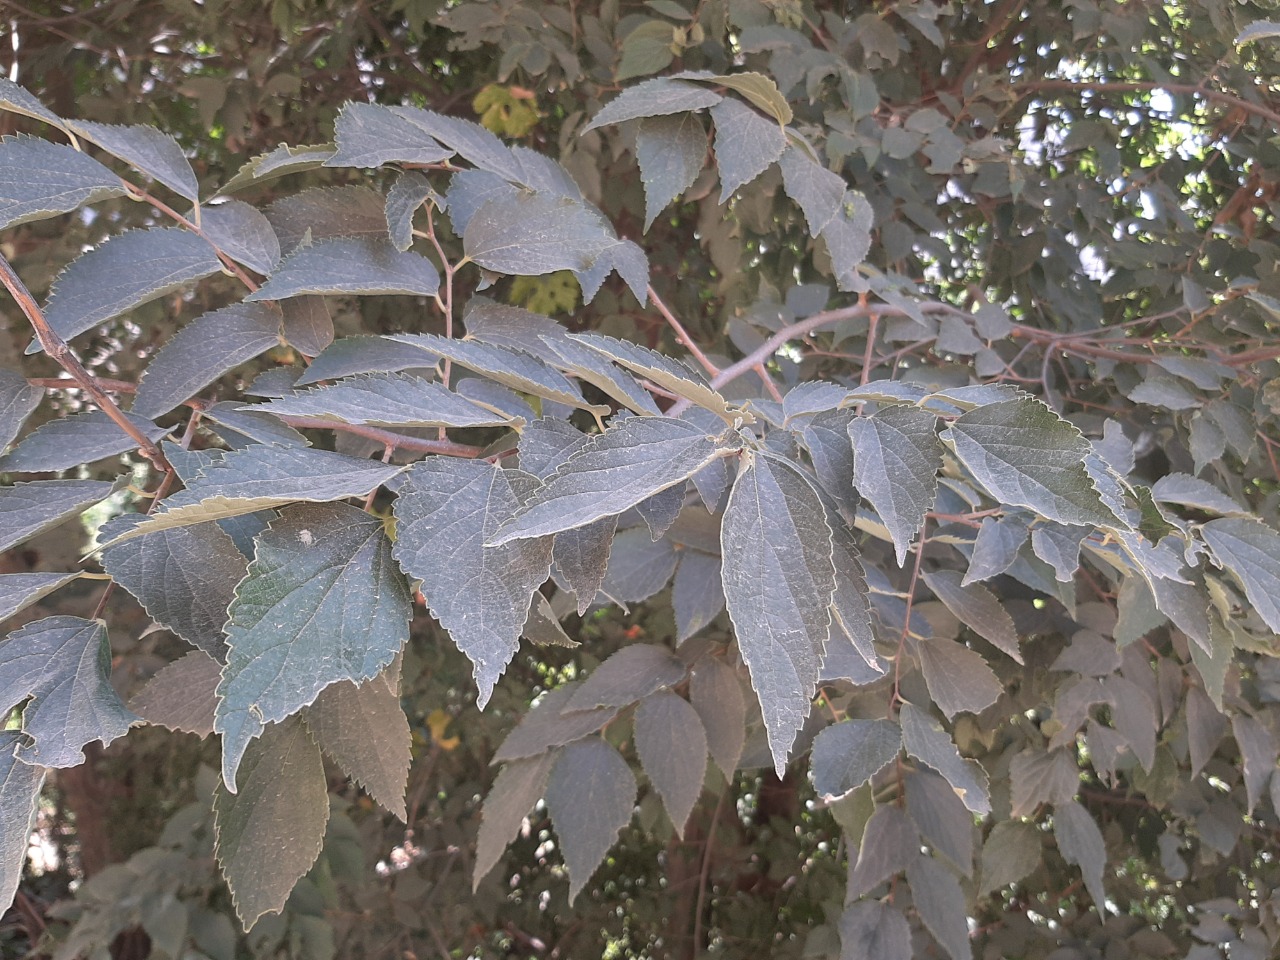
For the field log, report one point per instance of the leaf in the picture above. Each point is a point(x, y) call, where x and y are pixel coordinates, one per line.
point(943, 821)
point(1258, 30)
point(1205, 728)
point(322, 602)
point(201, 352)
point(977, 608)
point(638, 567)
point(1026, 456)
point(874, 929)
point(329, 213)
point(630, 674)
point(659, 511)
point(672, 747)
point(470, 140)
point(384, 399)
point(283, 808)
point(445, 513)
point(306, 324)
point(261, 476)
point(147, 150)
point(826, 436)
point(469, 190)
point(615, 470)
point(847, 755)
point(542, 627)
point(39, 179)
point(551, 724)
point(182, 696)
point(818, 192)
point(889, 842)
point(364, 730)
point(1012, 852)
point(940, 903)
point(26, 509)
point(125, 271)
point(1059, 546)
point(1214, 664)
point(1189, 491)
point(240, 428)
point(848, 238)
point(406, 195)
point(959, 680)
point(242, 233)
point(850, 611)
point(671, 152)
point(1039, 776)
point(283, 160)
point(535, 234)
point(716, 694)
point(996, 548)
point(778, 583)
point(15, 99)
point(67, 442)
point(662, 370)
point(1257, 755)
point(1080, 843)
point(64, 665)
point(184, 577)
point(354, 266)
point(351, 355)
point(590, 795)
point(646, 49)
point(896, 459)
point(369, 135)
point(697, 596)
point(1250, 551)
point(517, 788)
point(19, 590)
point(20, 785)
point(18, 400)
point(652, 98)
point(924, 739)
point(745, 143)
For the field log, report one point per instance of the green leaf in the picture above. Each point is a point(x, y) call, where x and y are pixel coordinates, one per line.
point(551, 724)
point(1250, 550)
point(240, 428)
point(329, 213)
point(470, 140)
point(638, 567)
point(283, 808)
point(848, 238)
point(543, 628)
point(1026, 456)
point(18, 400)
point(996, 547)
point(890, 841)
point(924, 739)
point(615, 470)
point(959, 680)
point(19, 590)
point(15, 99)
point(123, 272)
point(67, 442)
point(283, 160)
point(535, 234)
point(20, 785)
point(1059, 546)
point(384, 399)
point(182, 696)
point(369, 135)
point(39, 179)
point(646, 49)
point(184, 577)
point(977, 608)
point(519, 786)
point(716, 694)
point(757, 88)
point(242, 233)
point(146, 149)
point(29, 508)
point(778, 583)
point(1012, 852)
point(1080, 843)
point(364, 730)
point(672, 747)
point(306, 324)
point(896, 459)
point(630, 674)
point(850, 611)
point(941, 905)
point(322, 602)
point(590, 795)
point(826, 436)
point(64, 665)
point(1257, 754)
point(1258, 30)
point(745, 143)
point(446, 512)
point(1188, 491)
point(357, 266)
point(818, 191)
point(847, 755)
point(874, 929)
point(406, 195)
point(623, 256)
point(697, 595)
point(944, 822)
point(351, 355)
point(671, 152)
point(201, 352)
point(653, 98)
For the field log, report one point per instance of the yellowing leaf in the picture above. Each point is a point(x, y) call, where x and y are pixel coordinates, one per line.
point(509, 111)
point(438, 722)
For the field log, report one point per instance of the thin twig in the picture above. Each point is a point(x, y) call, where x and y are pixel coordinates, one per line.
point(705, 871)
point(682, 334)
point(387, 437)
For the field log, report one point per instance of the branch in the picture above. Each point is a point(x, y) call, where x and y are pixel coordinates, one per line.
point(682, 334)
point(1139, 86)
point(388, 438)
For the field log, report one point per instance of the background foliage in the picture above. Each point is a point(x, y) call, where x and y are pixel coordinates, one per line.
point(1073, 200)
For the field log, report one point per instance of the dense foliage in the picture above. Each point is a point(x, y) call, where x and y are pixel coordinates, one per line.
point(753, 478)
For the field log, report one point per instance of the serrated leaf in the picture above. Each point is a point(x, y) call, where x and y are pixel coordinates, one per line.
point(543, 628)
point(1205, 728)
point(67, 442)
point(20, 785)
point(354, 266)
point(778, 583)
point(1011, 852)
point(1026, 456)
point(818, 192)
point(146, 149)
point(18, 400)
point(1250, 550)
point(848, 238)
point(201, 352)
point(364, 730)
point(847, 755)
point(469, 190)
point(283, 808)
point(19, 590)
point(761, 90)
point(384, 399)
point(534, 234)
point(551, 724)
point(647, 48)
point(1258, 30)
point(39, 179)
point(896, 459)
point(652, 98)
point(924, 739)
point(406, 195)
point(16, 99)
point(1189, 491)
point(351, 355)
point(368, 135)
point(697, 595)
point(1059, 546)
point(944, 822)
point(125, 271)
point(322, 602)
point(996, 547)
point(306, 324)
point(470, 140)
point(262, 476)
point(940, 903)
point(959, 680)
point(590, 795)
point(240, 428)
point(659, 511)
point(1213, 664)
point(283, 160)
point(445, 513)
point(746, 144)
point(182, 696)
point(28, 508)
point(671, 152)
point(185, 577)
point(826, 436)
point(977, 608)
point(519, 785)
point(1257, 755)
point(243, 234)
point(888, 843)
point(630, 674)
point(614, 471)
point(623, 256)
point(850, 612)
point(64, 665)
point(1080, 843)
point(672, 747)
point(874, 929)
point(638, 567)
point(329, 213)
point(716, 694)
